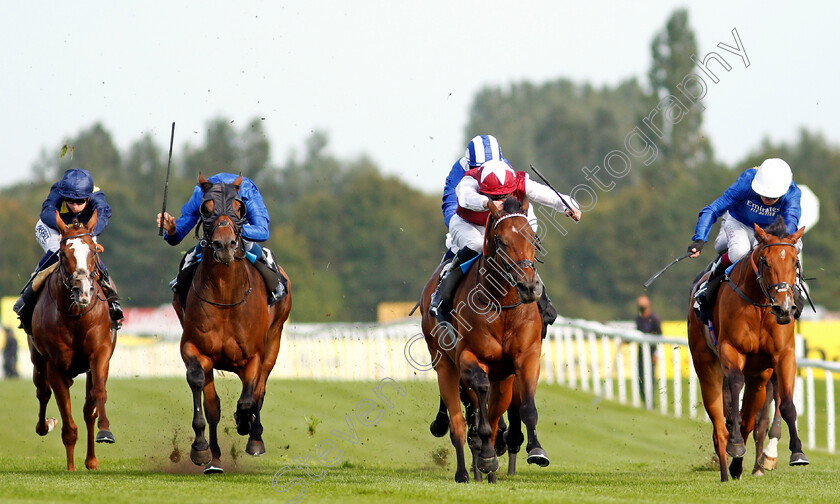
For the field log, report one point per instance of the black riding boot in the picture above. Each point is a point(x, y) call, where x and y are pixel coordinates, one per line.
point(114, 308)
point(441, 302)
point(275, 283)
point(181, 283)
point(25, 306)
point(548, 313)
point(798, 301)
point(706, 295)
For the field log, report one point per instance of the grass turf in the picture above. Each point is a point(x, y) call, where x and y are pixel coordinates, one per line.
point(600, 451)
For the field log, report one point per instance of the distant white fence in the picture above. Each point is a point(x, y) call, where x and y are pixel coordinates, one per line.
point(590, 356)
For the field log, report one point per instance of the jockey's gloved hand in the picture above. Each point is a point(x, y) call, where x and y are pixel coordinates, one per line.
point(696, 246)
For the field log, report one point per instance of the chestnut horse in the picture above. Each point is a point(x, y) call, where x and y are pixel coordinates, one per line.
point(227, 325)
point(71, 335)
point(755, 338)
point(494, 337)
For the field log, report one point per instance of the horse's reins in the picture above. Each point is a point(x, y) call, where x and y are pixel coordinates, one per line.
point(65, 278)
point(240, 246)
point(758, 269)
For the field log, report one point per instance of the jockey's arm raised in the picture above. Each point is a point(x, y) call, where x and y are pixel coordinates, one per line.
point(544, 195)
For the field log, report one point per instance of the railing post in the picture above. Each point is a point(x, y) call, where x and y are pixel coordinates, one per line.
point(570, 357)
point(559, 362)
point(608, 367)
point(647, 371)
point(811, 407)
point(663, 379)
point(582, 366)
point(634, 374)
point(594, 363)
point(829, 406)
point(621, 377)
point(677, 363)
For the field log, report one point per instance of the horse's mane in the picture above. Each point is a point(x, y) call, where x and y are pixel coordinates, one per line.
point(512, 205)
point(778, 228)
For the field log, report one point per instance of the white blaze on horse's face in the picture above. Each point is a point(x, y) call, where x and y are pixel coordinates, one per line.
point(81, 276)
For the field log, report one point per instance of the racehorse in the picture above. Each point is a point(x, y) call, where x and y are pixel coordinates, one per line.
point(751, 319)
point(227, 325)
point(494, 336)
point(72, 334)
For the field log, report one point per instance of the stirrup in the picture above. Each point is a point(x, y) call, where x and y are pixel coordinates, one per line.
point(277, 295)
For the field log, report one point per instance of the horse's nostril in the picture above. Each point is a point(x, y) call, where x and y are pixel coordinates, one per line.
point(232, 244)
point(217, 244)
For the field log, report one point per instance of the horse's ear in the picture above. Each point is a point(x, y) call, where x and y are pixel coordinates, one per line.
point(797, 235)
point(92, 222)
point(237, 183)
point(60, 223)
point(203, 182)
point(762, 236)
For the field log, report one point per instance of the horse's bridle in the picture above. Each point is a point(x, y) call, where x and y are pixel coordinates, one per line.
point(507, 267)
point(240, 246)
point(758, 270)
point(66, 277)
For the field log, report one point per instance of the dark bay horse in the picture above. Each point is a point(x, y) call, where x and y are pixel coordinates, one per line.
point(755, 338)
point(71, 335)
point(494, 337)
point(227, 325)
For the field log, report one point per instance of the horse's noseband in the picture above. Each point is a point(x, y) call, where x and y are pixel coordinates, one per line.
point(518, 265)
point(762, 266)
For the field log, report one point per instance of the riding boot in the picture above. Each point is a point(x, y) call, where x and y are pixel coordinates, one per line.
point(181, 283)
point(548, 313)
point(798, 300)
point(25, 306)
point(441, 301)
point(113, 298)
point(705, 296)
point(266, 264)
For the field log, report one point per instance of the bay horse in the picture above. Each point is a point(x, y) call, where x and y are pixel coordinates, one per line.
point(71, 335)
point(495, 336)
point(755, 339)
point(227, 325)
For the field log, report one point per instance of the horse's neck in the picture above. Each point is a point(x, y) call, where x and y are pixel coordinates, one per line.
point(492, 282)
point(226, 282)
point(745, 277)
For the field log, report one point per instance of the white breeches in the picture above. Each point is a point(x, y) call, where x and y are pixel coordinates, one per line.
point(48, 238)
point(738, 238)
point(463, 233)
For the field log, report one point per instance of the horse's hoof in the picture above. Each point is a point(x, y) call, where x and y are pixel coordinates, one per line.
point(200, 457)
point(439, 429)
point(799, 459)
point(767, 463)
point(736, 450)
point(462, 477)
point(104, 436)
point(255, 447)
point(488, 465)
point(92, 464)
point(501, 444)
point(758, 471)
point(539, 457)
point(491, 478)
point(213, 469)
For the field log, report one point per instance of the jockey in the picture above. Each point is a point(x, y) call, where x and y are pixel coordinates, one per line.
point(254, 230)
point(76, 198)
point(489, 184)
point(757, 197)
point(481, 149)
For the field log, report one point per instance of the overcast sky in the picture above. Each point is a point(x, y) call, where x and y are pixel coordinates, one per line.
point(391, 79)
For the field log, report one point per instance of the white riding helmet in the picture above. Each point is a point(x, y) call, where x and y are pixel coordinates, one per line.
point(772, 179)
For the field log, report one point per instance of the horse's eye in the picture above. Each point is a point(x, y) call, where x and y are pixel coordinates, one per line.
point(206, 209)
